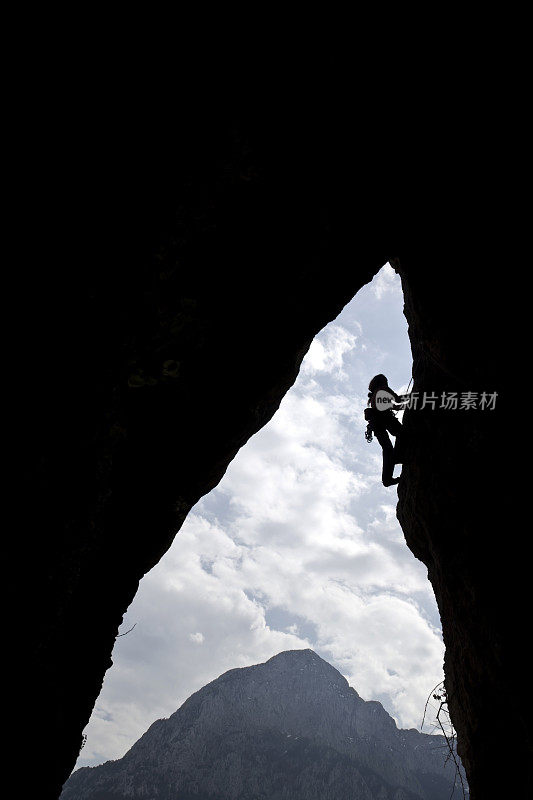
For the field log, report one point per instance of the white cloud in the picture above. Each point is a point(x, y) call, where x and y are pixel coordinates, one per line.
point(386, 281)
point(299, 546)
point(327, 351)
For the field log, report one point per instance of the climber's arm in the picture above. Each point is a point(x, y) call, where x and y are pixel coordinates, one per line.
point(399, 398)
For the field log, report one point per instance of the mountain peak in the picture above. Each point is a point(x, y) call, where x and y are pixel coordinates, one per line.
point(298, 656)
point(298, 660)
point(300, 670)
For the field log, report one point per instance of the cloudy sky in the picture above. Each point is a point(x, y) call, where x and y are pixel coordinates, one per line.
point(297, 547)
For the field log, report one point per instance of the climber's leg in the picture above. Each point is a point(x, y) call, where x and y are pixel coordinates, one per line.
point(388, 458)
point(396, 428)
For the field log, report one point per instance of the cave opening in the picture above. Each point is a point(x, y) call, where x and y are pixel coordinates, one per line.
point(297, 547)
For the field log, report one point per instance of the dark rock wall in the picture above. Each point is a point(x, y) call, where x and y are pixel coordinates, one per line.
point(189, 237)
point(457, 507)
point(185, 279)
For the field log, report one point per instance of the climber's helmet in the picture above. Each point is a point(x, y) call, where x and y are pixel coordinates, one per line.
point(377, 382)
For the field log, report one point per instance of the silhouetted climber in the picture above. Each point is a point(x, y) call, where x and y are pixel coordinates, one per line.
point(382, 421)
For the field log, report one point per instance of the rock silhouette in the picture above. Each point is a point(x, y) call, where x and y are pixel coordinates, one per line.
point(289, 729)
point(181, 250)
